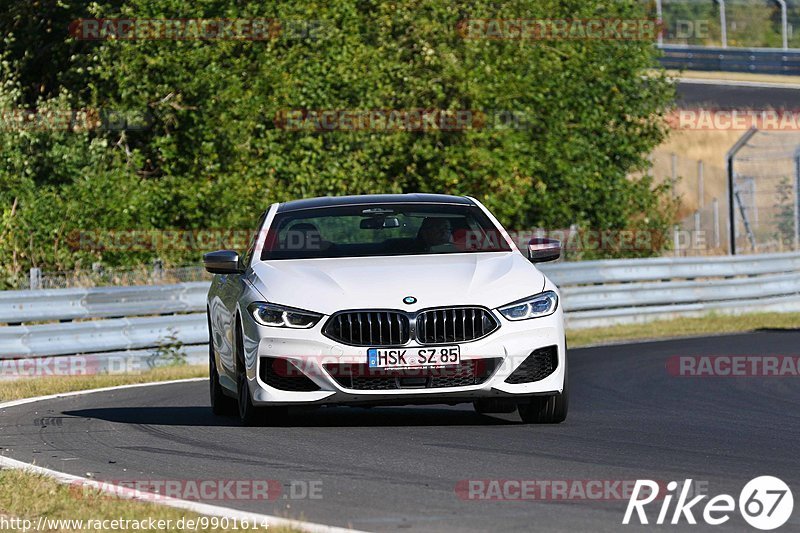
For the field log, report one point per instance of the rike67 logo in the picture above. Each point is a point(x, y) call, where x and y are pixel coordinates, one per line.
point(765, 503)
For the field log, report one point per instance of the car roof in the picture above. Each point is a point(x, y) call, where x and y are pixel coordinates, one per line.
point(366, 199)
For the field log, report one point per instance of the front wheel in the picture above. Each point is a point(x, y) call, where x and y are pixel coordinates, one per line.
point(220, 403)
point(546, 409)
point(249, 414)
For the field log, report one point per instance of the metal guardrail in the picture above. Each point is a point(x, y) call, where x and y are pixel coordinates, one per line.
point(70, 304)
point(624, 291)
point(669, 268)
point(594, 293)
point(93, 336)
point(629, 295)
point(762, 60)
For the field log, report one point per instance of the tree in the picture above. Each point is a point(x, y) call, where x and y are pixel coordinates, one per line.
point(215, 155)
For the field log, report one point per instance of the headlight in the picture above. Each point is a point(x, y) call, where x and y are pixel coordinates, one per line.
point(280, 316)
point(542, 304)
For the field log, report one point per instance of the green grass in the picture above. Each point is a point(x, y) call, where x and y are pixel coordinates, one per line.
point(40, 386)
point(683, 327)
point(26, 495)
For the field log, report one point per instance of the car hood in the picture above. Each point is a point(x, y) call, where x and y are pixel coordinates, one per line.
point(330, 285)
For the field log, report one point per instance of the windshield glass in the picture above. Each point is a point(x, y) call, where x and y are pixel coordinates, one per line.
point(381, 230)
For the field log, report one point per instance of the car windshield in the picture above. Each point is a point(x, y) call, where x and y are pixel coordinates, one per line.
point(381, 230)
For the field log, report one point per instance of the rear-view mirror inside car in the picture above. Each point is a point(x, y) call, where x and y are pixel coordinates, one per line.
point(380, 223)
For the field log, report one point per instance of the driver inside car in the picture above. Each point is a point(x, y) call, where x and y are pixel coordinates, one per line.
point(436, 235)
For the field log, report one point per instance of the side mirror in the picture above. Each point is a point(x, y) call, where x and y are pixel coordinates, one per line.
point(222, 262)
point(542, 249)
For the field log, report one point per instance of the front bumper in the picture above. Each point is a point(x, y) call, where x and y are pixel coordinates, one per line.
point(312, 353)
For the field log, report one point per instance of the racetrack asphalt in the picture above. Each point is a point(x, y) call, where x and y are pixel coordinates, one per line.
point(397, 468)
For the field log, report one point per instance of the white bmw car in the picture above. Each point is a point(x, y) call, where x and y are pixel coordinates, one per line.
point(385, 300)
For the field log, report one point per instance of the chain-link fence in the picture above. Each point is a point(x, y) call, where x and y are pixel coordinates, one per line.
point(746, 23)
point(766, 171)
point(699, 185)
point(766, 213)
point(703, 232)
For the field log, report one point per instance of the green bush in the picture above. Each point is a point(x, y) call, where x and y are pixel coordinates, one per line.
point(213, 156)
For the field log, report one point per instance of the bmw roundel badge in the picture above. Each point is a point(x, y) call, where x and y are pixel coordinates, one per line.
point(409, 300)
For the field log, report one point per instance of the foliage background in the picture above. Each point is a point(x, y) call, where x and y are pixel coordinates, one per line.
point(750, 23)
point(212, 157)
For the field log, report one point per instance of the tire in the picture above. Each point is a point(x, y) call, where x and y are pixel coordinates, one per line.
point(546, 409)
point(249, 414)
point(220, 403)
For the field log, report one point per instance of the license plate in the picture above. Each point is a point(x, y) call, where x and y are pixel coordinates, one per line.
point(413, 357)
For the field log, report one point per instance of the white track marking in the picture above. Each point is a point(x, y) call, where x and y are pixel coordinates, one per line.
point(740, 83)
point(195, 507)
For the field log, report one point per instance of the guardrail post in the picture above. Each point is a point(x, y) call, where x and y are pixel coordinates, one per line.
point(696, 237)
point(660, 19)
point(674, 165)
point(797, 201)
point(36, 278)
point(731, 190)
point(676, 240)
point(700, 185)
point(784, 24)
point(158, 269)
point(723, 23)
